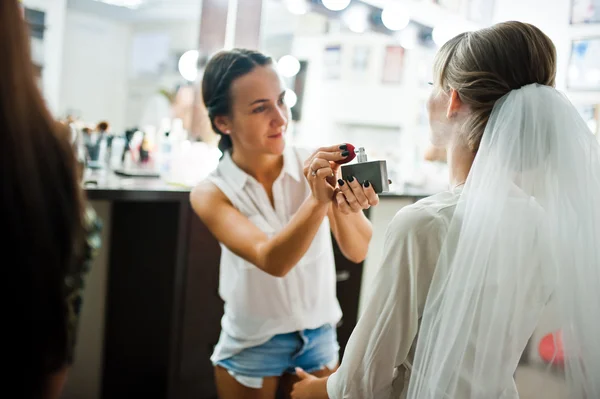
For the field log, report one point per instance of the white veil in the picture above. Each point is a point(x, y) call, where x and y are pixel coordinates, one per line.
point(526, 229)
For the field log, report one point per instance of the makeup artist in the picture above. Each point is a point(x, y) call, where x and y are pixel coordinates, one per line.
point(273, 207)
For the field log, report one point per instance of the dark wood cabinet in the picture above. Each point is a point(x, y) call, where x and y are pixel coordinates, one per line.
point(202, 312)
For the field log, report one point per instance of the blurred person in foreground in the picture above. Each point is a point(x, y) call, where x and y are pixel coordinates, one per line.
point(51, 236)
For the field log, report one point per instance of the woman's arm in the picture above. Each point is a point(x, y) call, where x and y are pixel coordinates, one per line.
point(352, 232)
point(276, 255)
point(279, 254)
point(387, 328)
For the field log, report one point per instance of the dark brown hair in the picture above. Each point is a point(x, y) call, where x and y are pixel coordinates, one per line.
point(221, 71)
point(485, 65)
point(41, 212)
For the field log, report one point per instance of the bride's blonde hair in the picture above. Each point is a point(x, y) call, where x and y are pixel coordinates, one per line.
point(484, 65)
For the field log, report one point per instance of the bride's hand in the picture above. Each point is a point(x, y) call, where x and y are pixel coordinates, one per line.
point(309, 386)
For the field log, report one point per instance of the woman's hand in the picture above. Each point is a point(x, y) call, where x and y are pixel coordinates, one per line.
point(309, 386)
point(320, 170)
point(353, 197)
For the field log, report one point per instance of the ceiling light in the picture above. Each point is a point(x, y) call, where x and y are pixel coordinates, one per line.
point(408, 37)
point(336, 5)
point(188, 65)
point(290, 98)
point(123, 3)
point(356, 18)
point(288, 66)
point(297, 7)
point(395, 17)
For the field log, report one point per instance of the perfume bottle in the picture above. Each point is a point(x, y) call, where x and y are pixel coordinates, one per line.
point(363, 169)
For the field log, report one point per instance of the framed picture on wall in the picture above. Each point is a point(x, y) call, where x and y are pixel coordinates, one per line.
point(584, 65)
point(332, 62)
point(585, 12)
point(393, 65)
point(360, 58)
point(361, 55)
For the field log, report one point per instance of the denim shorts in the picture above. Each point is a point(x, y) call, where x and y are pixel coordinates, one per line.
point(311, 350)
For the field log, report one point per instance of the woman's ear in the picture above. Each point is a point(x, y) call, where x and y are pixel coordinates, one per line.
point(223, 124)
point(454, 104)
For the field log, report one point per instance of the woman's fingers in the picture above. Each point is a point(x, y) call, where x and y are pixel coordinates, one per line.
point(348, 194)
point(370, 193)
point(358, 191)
point(358, 196)
point(342, 204)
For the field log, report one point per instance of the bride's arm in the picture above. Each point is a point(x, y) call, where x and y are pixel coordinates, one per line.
point(388, 326)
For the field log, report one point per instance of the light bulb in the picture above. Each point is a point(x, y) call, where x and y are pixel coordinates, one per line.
point(297, 7)
point(395, 17)
point(288, 66)
point(356, 18)
point(123, 3)
point(290, 98)
point(408, 37)
point(188, 65)
point(336, 5)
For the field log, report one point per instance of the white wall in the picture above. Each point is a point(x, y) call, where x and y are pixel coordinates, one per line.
point(97, 80)
point(94, 78)
point(183, 36)
point(53, 48)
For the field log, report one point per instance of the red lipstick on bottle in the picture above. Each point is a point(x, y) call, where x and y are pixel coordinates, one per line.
point(351, 154)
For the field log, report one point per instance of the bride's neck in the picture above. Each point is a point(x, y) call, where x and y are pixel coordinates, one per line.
point(460, 159)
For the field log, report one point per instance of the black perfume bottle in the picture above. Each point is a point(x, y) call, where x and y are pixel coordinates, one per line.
point(373, 171)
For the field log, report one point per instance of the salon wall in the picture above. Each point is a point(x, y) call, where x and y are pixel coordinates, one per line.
point(101, 79)
point(180, 36)
point(358, 104)
point(95, 62)
point(388, 119)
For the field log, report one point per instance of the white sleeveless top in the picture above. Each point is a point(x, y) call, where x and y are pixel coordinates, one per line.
point(258, 305)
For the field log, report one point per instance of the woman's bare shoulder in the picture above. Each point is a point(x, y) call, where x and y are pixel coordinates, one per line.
point(206, 196)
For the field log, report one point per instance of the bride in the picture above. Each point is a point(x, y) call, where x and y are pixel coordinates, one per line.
point(467, 273)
